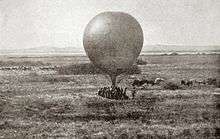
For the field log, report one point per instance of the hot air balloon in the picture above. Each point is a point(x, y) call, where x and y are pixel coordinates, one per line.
point(113, 41)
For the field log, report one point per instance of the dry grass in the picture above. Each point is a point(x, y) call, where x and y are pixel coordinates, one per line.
point(55, 105)
point(22, 63)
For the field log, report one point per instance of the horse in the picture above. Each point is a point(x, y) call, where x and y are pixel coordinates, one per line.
point(189, 83)
point(158, 80)
point(212, 81)
point(152, 82)
point(200, 82)
point(141, 82)
point(138, 82)
point(183, 82)
point(186, 82)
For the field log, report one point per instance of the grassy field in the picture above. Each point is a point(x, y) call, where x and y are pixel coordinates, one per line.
point(49, 103)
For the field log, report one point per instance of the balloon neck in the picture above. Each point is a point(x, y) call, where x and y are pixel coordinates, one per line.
point(113, 79)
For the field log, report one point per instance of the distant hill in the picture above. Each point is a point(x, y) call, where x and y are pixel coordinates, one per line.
point(179, 48)
point(43, 49)
point(147, 49)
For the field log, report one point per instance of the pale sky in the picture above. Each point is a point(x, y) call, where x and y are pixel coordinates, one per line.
point(61, 23)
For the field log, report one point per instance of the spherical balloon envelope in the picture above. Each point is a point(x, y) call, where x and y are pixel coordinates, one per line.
point(113, 41)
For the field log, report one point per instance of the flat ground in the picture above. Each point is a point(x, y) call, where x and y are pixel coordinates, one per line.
point(45, 103)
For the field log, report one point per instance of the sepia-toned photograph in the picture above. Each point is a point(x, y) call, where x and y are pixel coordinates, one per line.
point(110, 69)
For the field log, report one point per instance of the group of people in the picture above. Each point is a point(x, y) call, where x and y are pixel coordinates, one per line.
point(151, 82)
point(191, 82)
point(113, 92)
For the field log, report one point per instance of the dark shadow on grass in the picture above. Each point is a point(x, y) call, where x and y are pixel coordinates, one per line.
point(88, 68)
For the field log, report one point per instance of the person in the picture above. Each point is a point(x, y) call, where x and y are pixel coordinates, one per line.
point(117, 90)
point(133, 92)
point(112, 94)
point(104, 91)
point(108, 92)
point(124, 94)
point(120, 93)
point(100, 91)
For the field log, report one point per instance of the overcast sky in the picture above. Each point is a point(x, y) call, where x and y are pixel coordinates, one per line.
point(60, 23)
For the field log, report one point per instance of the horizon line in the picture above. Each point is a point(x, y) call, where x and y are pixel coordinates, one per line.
point(83, 48)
